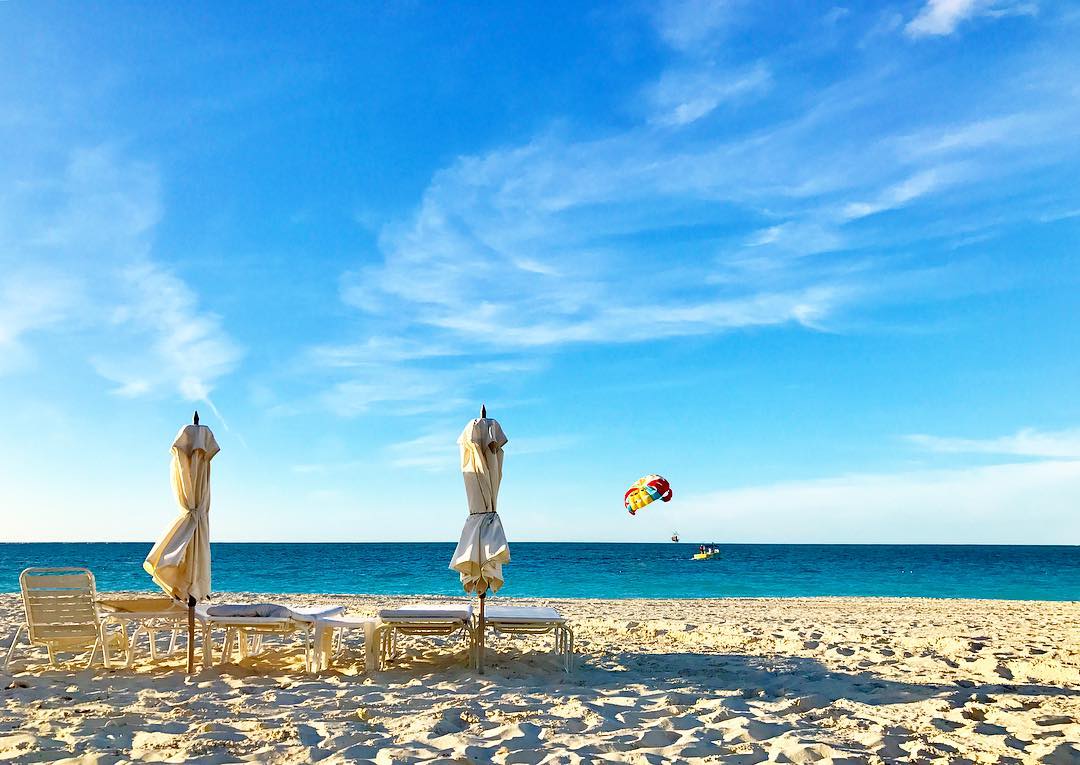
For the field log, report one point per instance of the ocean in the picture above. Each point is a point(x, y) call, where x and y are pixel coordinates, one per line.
point(598, 570)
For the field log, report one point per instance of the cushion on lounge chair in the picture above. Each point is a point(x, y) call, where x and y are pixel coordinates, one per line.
point(271, 611)
point(250, 610)
point(436, 612)
point(537, 614)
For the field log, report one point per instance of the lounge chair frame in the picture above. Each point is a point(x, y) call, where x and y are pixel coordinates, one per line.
point(386, 634)
point(61, 614)
point(149, 617)
point(525, 625)
point(247, 633)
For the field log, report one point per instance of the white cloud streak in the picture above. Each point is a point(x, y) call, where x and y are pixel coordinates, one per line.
point(942, 17)
point(183, 347)
point(438, 451)
point(689, 25)
point(1027, 443)
point(563, 240)
point(87, 230)
point(973, 505)
point(684, 95)
point(31, 299)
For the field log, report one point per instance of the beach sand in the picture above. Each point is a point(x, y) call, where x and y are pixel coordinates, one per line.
point(736, 681)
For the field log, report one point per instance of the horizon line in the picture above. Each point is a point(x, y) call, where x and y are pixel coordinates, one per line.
point(151, 543)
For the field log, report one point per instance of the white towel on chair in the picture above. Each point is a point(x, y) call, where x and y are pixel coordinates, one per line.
point(271, 611)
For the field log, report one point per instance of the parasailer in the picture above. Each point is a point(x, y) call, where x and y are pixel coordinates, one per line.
point(645, 491)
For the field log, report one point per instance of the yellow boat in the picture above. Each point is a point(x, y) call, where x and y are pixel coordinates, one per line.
point(707, 555)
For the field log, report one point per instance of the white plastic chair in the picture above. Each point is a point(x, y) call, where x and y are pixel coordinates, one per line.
point(61, 614)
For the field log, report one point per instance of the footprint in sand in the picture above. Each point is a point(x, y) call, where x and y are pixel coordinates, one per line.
point(657, 739)
point(450, 721)
point(1063, 754)
point(1052, 720)
point(744, 730)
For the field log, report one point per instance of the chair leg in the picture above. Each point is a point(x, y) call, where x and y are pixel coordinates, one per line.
point(172, 642)
point(130, 648)
point(226, 647)
point(52, 657)
point(104, 650)
point(207, 647)
point(131, 641)
point(387, 650)
point(11, 648)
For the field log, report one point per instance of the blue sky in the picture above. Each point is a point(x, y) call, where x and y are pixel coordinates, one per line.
point(815, 263)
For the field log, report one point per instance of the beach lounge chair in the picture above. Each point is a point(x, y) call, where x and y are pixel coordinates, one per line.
point(424, 620)
point(246, 624)
point(534, 620)
point(61, 614)
point(144, 616)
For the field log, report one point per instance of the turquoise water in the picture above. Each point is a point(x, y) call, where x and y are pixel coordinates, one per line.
point(599, 570)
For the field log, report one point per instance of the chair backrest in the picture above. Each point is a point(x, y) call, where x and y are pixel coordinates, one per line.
point(59, 605)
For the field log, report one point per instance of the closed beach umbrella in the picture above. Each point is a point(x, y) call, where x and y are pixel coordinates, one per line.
point(180, 561)
point(482, 549)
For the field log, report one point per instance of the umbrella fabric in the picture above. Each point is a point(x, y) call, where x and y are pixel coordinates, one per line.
point(180, 561)
point(482, 549)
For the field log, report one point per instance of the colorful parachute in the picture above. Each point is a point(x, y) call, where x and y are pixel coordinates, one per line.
point(646, 491)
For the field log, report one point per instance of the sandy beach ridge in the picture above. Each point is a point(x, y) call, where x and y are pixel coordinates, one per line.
point(801, 680)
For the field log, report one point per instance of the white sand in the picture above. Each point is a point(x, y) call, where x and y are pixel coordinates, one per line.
point(737, 681)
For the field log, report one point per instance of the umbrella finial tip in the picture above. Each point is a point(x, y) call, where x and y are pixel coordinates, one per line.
point(195, 419)
point(483, 411)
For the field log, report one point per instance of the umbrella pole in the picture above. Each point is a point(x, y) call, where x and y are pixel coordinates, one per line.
point(191, 635)
point(480, 641)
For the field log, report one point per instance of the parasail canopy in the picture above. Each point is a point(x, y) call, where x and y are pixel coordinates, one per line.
point(645, 491)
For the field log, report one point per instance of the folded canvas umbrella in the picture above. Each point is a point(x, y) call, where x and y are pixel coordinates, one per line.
point(180, 561)
point(482, 549)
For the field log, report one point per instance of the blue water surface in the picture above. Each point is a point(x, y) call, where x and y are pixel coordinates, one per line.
point(598, 570)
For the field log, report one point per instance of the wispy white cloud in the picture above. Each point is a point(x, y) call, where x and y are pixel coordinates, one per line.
point(1027, 442)
point(376, 349)
point(87, 228)
point(687, 94)
point(30, 299)
point(900, 194)
point(1001, 131)
point(324, 468)
point(438, 451)
point(688, 25)
point(183, 347)
point(434, 452)
point(797, 238)
point(391, 390)
point(560, 240)
point(524, 248)
point(942, 17)
point(972, 505)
